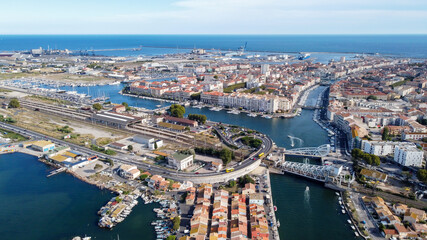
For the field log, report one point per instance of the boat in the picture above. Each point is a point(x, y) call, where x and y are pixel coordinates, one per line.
point(343, 211)
point(267, 116)
point(304, 56)
point(348, 220)
point(356, 234)
point(275, 208)
point(307, 188)
point(278, 223)
point(252, 115)
point(352, 227)
point(158, 105)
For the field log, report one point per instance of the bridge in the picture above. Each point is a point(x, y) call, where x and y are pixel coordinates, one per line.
point(320, 151)
point(320, 173)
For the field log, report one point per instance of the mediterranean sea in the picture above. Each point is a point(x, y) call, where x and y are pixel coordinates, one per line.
point(414, 46)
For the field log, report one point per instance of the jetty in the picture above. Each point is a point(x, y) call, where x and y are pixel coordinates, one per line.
point(56, 171)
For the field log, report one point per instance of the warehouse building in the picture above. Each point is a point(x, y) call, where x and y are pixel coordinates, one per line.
point(112, 119)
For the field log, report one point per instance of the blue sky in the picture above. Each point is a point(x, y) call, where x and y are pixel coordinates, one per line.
point(214, 17)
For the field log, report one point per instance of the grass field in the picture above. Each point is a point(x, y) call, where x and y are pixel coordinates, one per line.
point(12, 135)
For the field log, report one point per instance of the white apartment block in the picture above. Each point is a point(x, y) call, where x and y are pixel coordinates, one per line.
point(382, 148)
point(409, 156)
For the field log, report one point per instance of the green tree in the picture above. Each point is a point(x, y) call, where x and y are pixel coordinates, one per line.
point(386, 134)
point(125, 104)
point(195, 96)
point(200, 118)
point(171, 237)
point(372, 97)
point(246, 179)
point(422, 175)
point(130, 148)
point(97, 106)
point(176, 222)
point(155, 145)
point(14, 103)
point(377, 160)
point(226, 156)
point(232, 183)
point(143, 177)
point(177, 110)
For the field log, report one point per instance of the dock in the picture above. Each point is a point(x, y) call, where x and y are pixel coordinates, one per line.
point(56, 171)
point(274, 228)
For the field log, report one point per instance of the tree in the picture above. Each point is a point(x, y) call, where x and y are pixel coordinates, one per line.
point(246, 179)
point(155, 145)
point(200, 118)
point(177, 110)
point(232, 183)
point(176, 222)
point(130, 148)
point(171, 237)
point(97, 106)
point(125, 104)
point(377, 161)
point(195, 96)
point(97, 166)
point(226, 156)
point(14, 103)
point(372, 97)
point(386, 134)
point(422, 175)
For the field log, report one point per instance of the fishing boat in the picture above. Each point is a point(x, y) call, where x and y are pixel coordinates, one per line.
point(275, 208)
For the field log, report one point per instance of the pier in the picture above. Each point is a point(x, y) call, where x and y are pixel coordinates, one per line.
point(56, 171)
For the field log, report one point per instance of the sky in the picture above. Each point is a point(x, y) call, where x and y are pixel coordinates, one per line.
point(214, 17)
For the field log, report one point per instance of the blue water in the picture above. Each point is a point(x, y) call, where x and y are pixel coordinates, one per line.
point(397, 45)
point(35, 207)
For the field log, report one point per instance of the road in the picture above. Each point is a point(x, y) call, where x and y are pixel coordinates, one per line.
point(370, 225)
point(124, 158)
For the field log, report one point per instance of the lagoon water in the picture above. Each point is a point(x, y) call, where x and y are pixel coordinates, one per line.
point(35, 207)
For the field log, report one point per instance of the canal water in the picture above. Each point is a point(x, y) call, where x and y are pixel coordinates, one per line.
point(60, 207)
point(303, 215)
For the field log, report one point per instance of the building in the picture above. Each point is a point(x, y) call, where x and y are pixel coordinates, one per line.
point(374, 175)
point(113, 119)
point(248, 189)
point(413, 136)
point(128, 171)
point(43, 146)
point(256, 198)
point(382, 148)
point(409, 156)
point(119, 109)
point(118, 146)
point(180, 121)
point(180, 161)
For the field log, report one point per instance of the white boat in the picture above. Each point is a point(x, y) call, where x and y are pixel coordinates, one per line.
point(278, 223)
point(356, 234)
point(352, 227)
point(348, 220)
point(343, 211)
point(307, 188)
point(252, 115)
point(267, 116)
